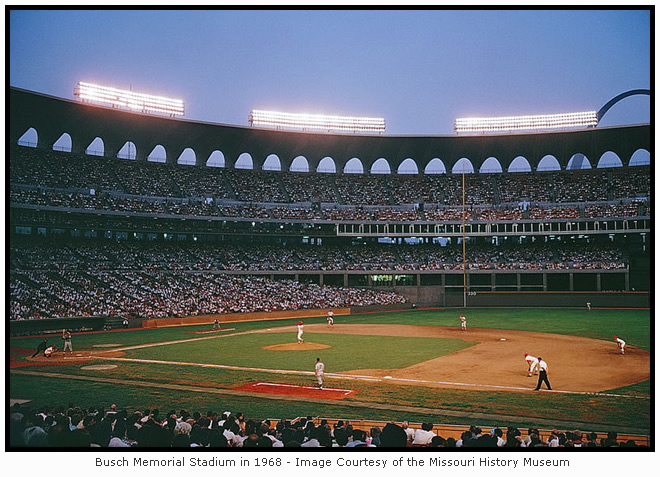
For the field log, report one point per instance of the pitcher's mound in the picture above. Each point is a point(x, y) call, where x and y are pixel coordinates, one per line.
point(296, 347)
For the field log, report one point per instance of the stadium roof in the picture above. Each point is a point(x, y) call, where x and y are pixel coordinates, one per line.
point(51, 117)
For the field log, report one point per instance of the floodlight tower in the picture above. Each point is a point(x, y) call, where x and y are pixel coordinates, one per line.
point(316, 122)
point(526, 123)
point(125, 99)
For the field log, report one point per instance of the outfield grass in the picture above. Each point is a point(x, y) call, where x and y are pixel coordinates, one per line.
point(347, 352)
point(633, 325)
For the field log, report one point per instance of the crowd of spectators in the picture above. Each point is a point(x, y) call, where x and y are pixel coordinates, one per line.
point(256, 186)
point(209, 208)
point(159, 294)
point(158, 280)
point(62, 170)
point(304, 257)
point(74, 426)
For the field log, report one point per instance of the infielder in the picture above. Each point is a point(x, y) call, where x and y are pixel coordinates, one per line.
point(300, 332)
point(463, 322)
point(330, 318)
point(533, 364)
point(319, 369)
point(621, 344)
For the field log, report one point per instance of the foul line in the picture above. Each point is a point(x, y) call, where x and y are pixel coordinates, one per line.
point(360, 377)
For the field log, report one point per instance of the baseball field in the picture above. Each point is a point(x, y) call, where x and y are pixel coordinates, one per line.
point(415, 365)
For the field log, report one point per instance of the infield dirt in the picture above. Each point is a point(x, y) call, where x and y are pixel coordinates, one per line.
point(574, 363)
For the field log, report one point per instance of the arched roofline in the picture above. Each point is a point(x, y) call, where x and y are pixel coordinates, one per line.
point(51, 116)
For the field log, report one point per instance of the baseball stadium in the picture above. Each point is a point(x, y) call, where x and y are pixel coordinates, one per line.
point(171, 283)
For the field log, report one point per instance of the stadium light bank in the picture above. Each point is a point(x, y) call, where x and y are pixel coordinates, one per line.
point(125, 99)
point(316, 122)
point(526, 123)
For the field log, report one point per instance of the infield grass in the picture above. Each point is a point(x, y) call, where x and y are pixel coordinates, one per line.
point(347, 351)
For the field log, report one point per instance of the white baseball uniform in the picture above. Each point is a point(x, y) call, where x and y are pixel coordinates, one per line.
point(330, 318)
point(533, 365)
point(300, 333)
point(319, 369)
point(622, 345)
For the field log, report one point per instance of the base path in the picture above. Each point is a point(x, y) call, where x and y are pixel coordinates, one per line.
point(574, 364)
point(299, 391)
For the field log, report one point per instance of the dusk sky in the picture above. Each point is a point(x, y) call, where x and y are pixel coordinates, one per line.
point(418, 69)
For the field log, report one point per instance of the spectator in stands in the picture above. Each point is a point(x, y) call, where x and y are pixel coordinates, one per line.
point(393, 435)
point(424, 435)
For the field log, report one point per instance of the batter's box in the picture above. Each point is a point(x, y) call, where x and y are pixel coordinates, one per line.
point(298, 391)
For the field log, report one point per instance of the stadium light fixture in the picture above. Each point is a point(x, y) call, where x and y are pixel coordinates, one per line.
point(131, 100)
point(526, 123)
point(320, 122)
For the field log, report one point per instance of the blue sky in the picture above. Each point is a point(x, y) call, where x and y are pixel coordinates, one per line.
point(418, 69)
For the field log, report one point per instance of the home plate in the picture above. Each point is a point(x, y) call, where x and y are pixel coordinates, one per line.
point(298, 391)
point(502, 339)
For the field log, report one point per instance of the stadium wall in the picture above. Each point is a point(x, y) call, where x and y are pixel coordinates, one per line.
point(551, 299)
point(233, 317)
point(55, 325)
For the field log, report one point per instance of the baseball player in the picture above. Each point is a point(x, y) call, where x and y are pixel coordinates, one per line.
point(463, 322)
point(300, 332)
point(589, 305)
point(48, 352)
point(621, 344)
point(66, 336)
point(319, 369)
point(533, 364)
point(330, 318)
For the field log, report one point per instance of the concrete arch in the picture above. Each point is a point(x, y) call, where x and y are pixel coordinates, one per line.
point(96, 147)
point(463, 165)
point(158, 154)
point(272, 163)
point(127, 151)
point(408, 166)
point(30, 138)
point(187, 157)
point(519, 164)
point(327, 165)
point(578, 161)
point(641, 157)
point(609, 159)
point(299, 164)
point(491, 164)
point(380, 166)
point(216, 159)
point(244, 161)
point(548, 163)
point(354, 166)
point(435, 166)
point(63, 143)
